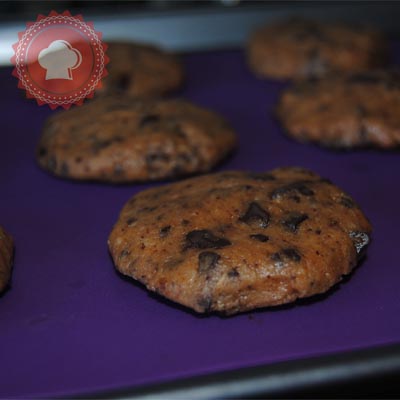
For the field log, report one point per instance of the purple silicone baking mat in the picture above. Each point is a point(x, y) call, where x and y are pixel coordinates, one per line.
point(70, 324)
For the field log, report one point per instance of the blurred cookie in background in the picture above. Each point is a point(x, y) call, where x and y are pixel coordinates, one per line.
point(141, 70)
point(358, 110)
point(300, 48)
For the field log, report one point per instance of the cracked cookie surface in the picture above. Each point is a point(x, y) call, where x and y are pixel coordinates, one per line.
point(6, 258)
point(298, 48)
point(234, 241)
point(123, 139)
point(358, 110)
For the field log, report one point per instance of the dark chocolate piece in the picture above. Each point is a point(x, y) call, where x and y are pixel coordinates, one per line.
point(347, 202)
point(261, 176)
point(292, 221)
point(260, 237)
point(233, 273)
point(207, 261)
point(285, 255)
point(123, 82)
point(299, 187)
point(204, 239)
point(256, 216)
point(205, 303)
point(42, 151)
point(148, 120)
point(165, 231)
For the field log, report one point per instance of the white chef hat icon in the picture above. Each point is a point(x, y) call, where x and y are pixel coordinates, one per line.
point(59, 59)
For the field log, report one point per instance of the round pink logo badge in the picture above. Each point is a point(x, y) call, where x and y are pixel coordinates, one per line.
point(59, 60)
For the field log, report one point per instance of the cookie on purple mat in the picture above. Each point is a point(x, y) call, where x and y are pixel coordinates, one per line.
point(358, 110)
point(122, 139)
point(298, 48)
point(141, 70)
point(234, 241)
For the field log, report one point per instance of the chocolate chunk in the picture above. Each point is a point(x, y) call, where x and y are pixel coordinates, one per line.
point(185, 222)
point(165, 231)
point(299, 187)
point(171, 264)
point(292, 221)
point(326, 180)
point(204, 239)
point(261, 176)
point(390, 79)
point(316, 65)
point(148, 120)
point(118, 170)
point(277, 258)
point(347, 202)
point(156, 157)
point(101, 144)
point(295, 198)
point(98, 144)
point(147, 209)
point(260, 237)
point(363, 133)
point(247, 187)
point(177, 170)
point(205, 303)
point(185, 158)
point(233, 273)
point(285, 255)
point(256, 216)
point(207, 261)
point(131, 220)
point(361, 111)
point(124, 253)
point(291, 254)
point(365, 78)
point(360, 240)
point(178, 131)
point(123, 82)
point(303, 87)
point(64, 170)
point(42, 151)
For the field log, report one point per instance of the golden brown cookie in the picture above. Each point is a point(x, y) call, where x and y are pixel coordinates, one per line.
point(141, 70)
point(298, 48)
point(234, 241)
point(121, 139)
point(6, 258)
point(359, 110)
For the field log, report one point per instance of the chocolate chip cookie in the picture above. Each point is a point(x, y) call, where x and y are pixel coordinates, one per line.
point(297, 48)
point(141, 70)
point(358, 110)
point(6, 257)
point(121, 139)
point(234, 241)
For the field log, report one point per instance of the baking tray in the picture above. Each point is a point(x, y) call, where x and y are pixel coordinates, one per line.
point(72, 326)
